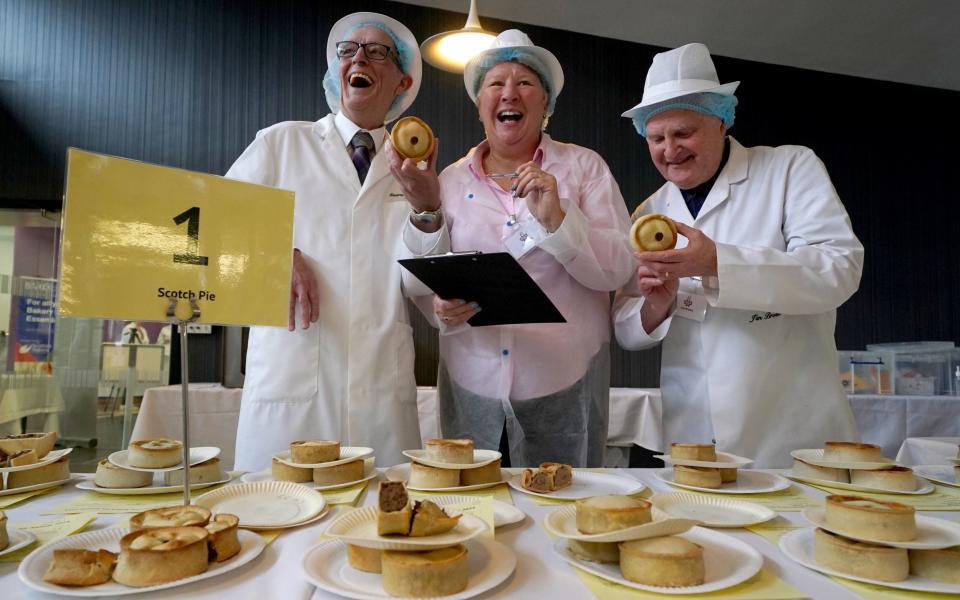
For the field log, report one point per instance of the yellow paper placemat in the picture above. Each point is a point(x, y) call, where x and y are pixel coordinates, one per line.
point(773, 533)
point(348, 495)
point(109, 504)
point(941, 498)
point(48, 531)
point(762, 586)
point(12, 499)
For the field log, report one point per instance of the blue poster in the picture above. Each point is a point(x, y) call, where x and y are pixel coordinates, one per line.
point(36, 316)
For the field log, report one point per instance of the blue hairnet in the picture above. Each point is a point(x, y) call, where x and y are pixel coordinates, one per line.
point(708, 103)
point(517, 54)
point(331, 79)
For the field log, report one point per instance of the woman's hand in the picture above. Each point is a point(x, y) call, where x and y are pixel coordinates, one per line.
point(453, 313)
point(420, 186)
point(539, 189)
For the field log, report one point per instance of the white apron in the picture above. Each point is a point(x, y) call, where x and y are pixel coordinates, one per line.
point(349, 377)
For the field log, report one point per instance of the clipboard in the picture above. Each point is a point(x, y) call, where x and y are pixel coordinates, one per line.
point(496, 281)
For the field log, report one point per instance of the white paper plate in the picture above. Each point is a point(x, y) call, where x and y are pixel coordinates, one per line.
point(17, 539)
point(562, 522)
point(197, 455)
point(52, 456)
point(727, 562)
point(147, 490)
point(480, 458)
point(369, 473)
point(586, 484)
point(326, 567)
point(506, 514)
point(268, 504)
point(939, 473)
point(748, 482)
point(359, 527)
point(31, 488)
point(347, 454)
point(922, 486)
point(713, 511)
point(35, 564)
point(932, 534)
point(402, 473)
point(814, 456)
point(798, 546)
point(725, 460)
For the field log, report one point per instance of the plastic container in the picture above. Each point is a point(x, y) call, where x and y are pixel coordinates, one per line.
point(920, 368)
point(865, 372)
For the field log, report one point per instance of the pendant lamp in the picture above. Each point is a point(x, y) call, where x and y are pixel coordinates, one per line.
point(450, 51)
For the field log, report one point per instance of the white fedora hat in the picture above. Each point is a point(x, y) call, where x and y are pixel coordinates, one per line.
point(543, 62)
point(410, 63)
point(680, 72)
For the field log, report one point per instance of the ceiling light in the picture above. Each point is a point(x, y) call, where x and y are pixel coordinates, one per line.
point(451, 50)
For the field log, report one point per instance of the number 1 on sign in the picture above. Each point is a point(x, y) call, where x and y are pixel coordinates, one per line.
point(191, 256)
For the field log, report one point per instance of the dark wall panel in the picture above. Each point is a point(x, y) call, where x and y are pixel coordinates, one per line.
point(187, 84)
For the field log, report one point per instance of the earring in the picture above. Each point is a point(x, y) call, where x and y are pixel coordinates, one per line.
point(546, 120)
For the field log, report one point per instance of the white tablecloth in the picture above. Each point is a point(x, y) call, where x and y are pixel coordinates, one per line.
point(214, 413)
point(27, 396)
point(539, 574)
point(889, 420)
point(928, 450)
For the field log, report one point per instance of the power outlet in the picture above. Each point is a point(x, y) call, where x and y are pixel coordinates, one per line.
point(198, 328)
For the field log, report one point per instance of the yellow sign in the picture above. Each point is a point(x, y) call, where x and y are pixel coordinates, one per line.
point(136, 236)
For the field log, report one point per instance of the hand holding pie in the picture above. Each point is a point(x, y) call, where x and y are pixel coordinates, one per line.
point(653, 232)
point(412, 138)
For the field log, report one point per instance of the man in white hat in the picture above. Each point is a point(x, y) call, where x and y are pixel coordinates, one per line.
point(344, 370)
point(745, 306)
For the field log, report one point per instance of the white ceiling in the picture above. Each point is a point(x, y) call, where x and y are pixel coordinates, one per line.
point(905, 41)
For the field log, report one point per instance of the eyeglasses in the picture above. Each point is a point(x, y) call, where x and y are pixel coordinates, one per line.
point(373, 50)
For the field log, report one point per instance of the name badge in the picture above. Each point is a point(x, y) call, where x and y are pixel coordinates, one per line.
point(523, 236)
point(691, 306)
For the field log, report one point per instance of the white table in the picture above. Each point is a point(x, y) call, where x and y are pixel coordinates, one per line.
point(889, 420)
point(28, 395)
point(214, 413)
point(539, 574)
point(928, 450)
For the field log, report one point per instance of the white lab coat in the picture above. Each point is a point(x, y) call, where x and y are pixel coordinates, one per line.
point(349, 377)
point(759, 373)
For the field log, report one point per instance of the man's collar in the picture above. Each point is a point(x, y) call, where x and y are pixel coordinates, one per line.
point(347, 129)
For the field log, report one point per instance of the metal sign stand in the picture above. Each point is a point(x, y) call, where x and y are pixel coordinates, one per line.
point(184, 380)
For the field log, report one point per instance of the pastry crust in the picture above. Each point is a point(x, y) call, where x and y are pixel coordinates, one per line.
point(396, 522)
point(205, 472)
point(430, 519)
point(154, 556)
point(364, 559)
point(653, 232)
point(155, 454)
point(314, 451)
point(171, 516)
point(687, 451)
point(860, 558)
point(663, 561)
point(412, 138)
point(4, 536)
point(428, 573)
point(802, 469)
point(728, 475)
point(422, 476)
point(456, 452)
point(601, 514)
point(223, 542)
point(858, 517)
point(283, 472)
point(601, 552)
point(851, 452)
point(343, 473)
point(76, 567)
point(705, 477)
point(939, 565)
point(894, 478)
point(110, 475)
point(485, 474)
point(55, 471)
point(19, 458)
point(548, 477)
point(41, 443)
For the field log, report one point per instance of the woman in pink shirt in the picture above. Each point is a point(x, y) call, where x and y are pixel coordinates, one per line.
point(557, 209)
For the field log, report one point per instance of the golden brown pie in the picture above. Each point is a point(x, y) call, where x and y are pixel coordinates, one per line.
point(58, 470)
point(4, 537)
point(20, 458)
point(601, 552)
point(422, 476)
point(430, 519)
point(364, 559)
point(894, 478)
point(109, 475)
point(206, 472)
point(171, 516)
point(412, 138)
point(939, 565)
point(41, 443)
point(154, 556)
point(314, 451)
point(852, 452)
point(687, 451)
point(705, 477)
point(668, 561)
point(860, 558)
point(808, 471)
point(457, 452)
point(653, 232)
point(155, 454)
point(342, 473)
point(601, 514)
point(485, 474)
point(280, 471)
point(859, 517)
point(425, 573)
point(548, 477)
point(77, 567)
point(224, 541)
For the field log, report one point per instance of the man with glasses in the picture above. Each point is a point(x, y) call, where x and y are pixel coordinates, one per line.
point(344, 368)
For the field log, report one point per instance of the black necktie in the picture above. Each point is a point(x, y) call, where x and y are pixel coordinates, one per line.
point(363, 149)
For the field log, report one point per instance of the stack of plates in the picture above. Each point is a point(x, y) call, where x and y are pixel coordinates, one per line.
point(197, 455)
point(562, 522)
point(347, 454)
point(369, 472)
point(748, 482)
point(402, 473)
